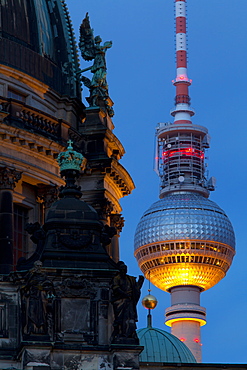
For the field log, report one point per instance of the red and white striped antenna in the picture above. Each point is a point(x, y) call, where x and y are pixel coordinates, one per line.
point(182, 112)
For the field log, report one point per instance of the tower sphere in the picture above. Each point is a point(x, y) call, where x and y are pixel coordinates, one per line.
point(184, 239)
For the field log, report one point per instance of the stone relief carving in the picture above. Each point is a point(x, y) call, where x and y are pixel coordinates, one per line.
point(37, 296)
point(76, 239)
point(76, 286)
point(48, 194)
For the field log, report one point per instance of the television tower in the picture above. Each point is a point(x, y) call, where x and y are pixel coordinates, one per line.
point(184, 243)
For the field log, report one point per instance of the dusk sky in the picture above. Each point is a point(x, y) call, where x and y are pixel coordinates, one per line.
point(141, 65)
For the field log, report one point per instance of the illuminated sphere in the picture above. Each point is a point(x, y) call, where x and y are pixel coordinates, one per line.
point(184, 239)
point(149, 302)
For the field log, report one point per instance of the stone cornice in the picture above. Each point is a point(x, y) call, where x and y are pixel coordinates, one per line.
point(24, 78)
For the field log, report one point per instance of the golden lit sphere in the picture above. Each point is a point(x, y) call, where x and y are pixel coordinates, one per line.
point(149, 302)
point(184, 239)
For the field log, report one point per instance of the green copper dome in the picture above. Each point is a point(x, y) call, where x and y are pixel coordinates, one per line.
point(37, 38)
point(161, 346)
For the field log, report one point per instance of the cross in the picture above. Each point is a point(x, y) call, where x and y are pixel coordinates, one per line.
point(70, 142)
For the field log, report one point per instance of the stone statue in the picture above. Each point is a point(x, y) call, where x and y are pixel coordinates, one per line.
point(91, 49)
point(125, 295)
point(37, 296)
point(36, 231)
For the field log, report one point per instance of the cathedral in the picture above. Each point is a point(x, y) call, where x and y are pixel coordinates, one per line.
point(67, 302)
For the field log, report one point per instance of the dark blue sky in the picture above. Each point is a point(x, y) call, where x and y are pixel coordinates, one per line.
point(141, 65)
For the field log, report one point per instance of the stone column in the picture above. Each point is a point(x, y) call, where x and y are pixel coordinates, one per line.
point(8, 178)
point(117, 221)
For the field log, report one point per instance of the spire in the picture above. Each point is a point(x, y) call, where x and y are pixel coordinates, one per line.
point(182, 112)
point(181, 145)
point(149, 302)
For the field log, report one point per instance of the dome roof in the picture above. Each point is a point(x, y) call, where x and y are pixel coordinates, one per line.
point(184, 216)
point(74, 212)
point(161, 346)
point(37, 38)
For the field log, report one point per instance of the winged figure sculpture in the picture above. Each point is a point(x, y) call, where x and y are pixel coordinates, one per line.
point(91, 49)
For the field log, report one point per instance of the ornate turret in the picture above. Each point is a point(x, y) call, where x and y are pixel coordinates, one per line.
point(72, 236)
point(74, 297)
point(105, 181)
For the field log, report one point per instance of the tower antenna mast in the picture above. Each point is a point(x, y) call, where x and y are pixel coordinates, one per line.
point(182, 112)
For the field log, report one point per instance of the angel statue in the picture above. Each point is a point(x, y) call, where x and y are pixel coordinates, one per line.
point(91, 49)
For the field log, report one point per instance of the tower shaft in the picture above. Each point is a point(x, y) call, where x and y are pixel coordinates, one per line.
point(186, 316)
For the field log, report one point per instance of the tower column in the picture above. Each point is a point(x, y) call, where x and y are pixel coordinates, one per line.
point(189, 332)
point(186, 316)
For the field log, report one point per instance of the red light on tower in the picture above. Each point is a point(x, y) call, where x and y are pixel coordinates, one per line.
point(182, 339)
point(197, 340)
point(184, 152)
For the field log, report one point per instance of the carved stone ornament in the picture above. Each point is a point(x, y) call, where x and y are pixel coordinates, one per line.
point(37, 303)
point(48, 194)
point(117, 221)
point(103, 207)
point(36, 231)
point(70, 159)
point(9, 177)
point(76, 286)
point(76, 240)
point(36, 356)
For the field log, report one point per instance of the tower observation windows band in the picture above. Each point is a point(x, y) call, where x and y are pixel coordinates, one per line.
point(181, 159)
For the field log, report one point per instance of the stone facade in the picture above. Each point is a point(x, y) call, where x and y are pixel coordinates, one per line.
point(55, 276)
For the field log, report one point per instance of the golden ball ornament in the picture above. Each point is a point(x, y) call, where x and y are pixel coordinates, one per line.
point(149, 302)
